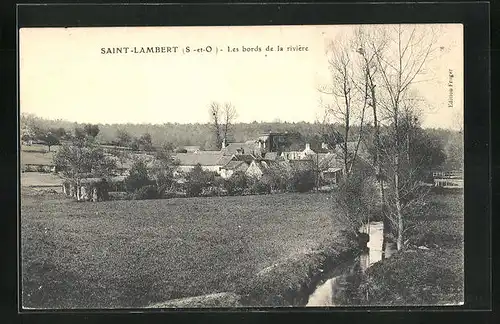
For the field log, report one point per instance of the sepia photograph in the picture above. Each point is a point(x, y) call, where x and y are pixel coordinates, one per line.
point(241, 166)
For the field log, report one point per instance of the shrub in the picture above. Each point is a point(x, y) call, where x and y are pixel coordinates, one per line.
point(302, 181)
point(236, 184)
point(197, 180)
point(194, 189)
point(118, 195)
point(260, 187)
point(40, 168)
point(219, 182)
point(212, 191)
point(277, 178)
point(355, 197)
point(146, 192)
point(138, 177)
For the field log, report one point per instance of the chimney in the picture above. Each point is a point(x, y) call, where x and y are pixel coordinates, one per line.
point(224, 143)
point(308, 146)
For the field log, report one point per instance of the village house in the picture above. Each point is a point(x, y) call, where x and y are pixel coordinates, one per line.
point(448, 179)
point(292, 155)
point(209, 161)
point(247, 158)
point(232, 167)
point(307, 153)
point(271, 156)
point(362, 149)
point(330, 167)
point(246, 148)
point(256, 169)
point(192, 148)
point(273, 142)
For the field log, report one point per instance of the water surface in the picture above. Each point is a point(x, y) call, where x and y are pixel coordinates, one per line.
point(325, 293)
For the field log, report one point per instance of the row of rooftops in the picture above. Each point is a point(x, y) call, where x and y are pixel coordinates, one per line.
point(233, 152)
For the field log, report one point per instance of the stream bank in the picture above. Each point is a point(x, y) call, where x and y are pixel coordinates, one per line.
point(290, 282)
point(285, 284)
point(428, 271)
point(342, 283)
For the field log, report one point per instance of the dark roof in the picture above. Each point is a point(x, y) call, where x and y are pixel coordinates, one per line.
point(233, 165)
point(239, 148)
point(272, 163)
point(329, 160)
point(271, 156)
point(301, 163)
point(202, 158)
point(248, 158)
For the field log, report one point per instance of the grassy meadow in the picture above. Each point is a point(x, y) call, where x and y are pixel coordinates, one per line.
point(39, 179)
point(36, 157)
point(137, 253)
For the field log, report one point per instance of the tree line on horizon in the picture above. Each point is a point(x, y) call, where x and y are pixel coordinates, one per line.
point(196, 134)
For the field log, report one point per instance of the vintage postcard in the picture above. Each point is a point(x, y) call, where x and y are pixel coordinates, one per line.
point(257, 166)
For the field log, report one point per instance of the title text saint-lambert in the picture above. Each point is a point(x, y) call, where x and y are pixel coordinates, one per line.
point(139, 49)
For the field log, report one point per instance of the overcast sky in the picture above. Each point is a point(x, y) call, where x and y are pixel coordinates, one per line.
point(63, 74)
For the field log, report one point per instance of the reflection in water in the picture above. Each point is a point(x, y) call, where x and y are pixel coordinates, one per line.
point(376, 232)
point(324, 294)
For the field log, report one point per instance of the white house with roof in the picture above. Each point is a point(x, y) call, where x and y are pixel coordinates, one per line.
point(208, 161)
point(299, 155)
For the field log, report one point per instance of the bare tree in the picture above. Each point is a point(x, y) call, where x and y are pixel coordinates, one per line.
point(215, 118)
point(349, 99)
point(399, 65)
point(222, 119)
point(229, 113)
point(367, 46)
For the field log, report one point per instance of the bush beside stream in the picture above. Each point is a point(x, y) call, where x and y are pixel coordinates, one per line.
point(430, 270)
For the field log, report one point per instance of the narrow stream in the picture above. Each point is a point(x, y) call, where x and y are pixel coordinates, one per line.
point(326, 293)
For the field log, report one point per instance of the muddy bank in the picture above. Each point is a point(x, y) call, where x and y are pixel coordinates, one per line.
point(343, 283)
point(290, 282)
point(205, 301)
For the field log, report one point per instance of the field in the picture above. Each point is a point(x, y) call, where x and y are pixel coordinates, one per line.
point(39, 148)
point(33, 157)
point(135, 253)
point(37, 179)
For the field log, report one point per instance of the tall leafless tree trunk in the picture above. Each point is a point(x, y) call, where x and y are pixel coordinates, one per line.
point(229, 117)
point(399, 68)
point(367, 46)
point(215, 117)
point(347, 108)
point(221, 121)
point(349, 99)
